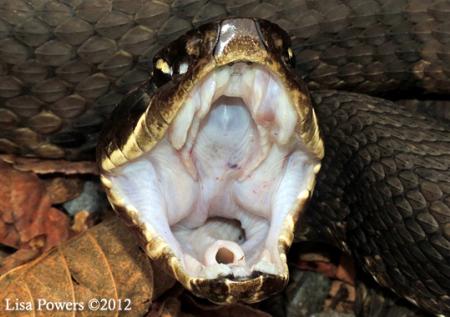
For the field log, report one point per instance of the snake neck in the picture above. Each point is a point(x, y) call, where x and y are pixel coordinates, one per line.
point(383, 193)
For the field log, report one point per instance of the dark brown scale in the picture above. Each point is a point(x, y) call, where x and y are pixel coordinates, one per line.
point(93, 86)
point(13, 52)
point(49, 151)
point(126, 6)
point(113, 25)
point(54, 13)
point(173, 27)
point(131, 80)
point(152, 14)
point(136, 40)
point(117, 64)
point(96, 49)
point(189, 8)
point(16, 12)
point(74, 72)
point(74, 31)
point(10, 87)
point(54, 53)
point(68, 139)
point(32, 32)
point(89, 122)
point(105, 104)
point(45, 122)
point(69, 107)
point(208, 13)
point(92, 11)
point(50, 90)
point(30, 72)
point(24, 106)
point(8, 119)
point(24, 137)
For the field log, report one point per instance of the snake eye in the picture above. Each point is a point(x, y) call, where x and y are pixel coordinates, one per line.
point(164, 67)
point(162, 72)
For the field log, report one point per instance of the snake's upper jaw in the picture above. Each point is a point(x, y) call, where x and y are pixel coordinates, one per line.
point(220, 193)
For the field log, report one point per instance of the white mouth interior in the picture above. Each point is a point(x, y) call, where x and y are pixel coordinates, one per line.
point(218, 187)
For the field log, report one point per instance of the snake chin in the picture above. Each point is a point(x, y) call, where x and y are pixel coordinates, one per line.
point(224, 188)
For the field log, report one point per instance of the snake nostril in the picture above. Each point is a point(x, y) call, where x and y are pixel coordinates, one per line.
point(224, 256)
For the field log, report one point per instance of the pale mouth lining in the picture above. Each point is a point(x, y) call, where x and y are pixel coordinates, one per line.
point(229, 173)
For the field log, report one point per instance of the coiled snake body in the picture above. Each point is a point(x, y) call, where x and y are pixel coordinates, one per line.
point(383, 190)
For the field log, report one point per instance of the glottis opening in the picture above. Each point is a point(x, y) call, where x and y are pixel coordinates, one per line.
point(225, 256)
point(226, 178)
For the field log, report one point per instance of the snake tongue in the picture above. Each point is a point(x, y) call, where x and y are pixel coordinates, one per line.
point(225, 184)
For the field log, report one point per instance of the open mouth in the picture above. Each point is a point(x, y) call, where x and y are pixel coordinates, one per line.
point(228, 178)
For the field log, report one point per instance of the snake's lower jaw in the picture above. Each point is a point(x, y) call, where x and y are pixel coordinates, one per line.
point(218, 197)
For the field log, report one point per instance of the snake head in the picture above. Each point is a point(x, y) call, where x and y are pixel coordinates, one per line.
point(214, 160)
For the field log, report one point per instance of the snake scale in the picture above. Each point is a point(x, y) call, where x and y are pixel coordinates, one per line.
point(383, 191)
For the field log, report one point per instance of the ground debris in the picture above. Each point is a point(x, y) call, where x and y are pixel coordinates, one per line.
point(91, 199)
point(82, 221)
point(62, 189)
point(27, 218)
point(104, 262)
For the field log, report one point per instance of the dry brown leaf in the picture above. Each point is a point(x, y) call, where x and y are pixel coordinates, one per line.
point(62, 189)
point(103, 262)
point(40, 166)
point(19, 257)
point(26, 212)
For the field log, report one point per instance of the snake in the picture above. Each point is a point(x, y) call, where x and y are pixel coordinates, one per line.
point(363, 173)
